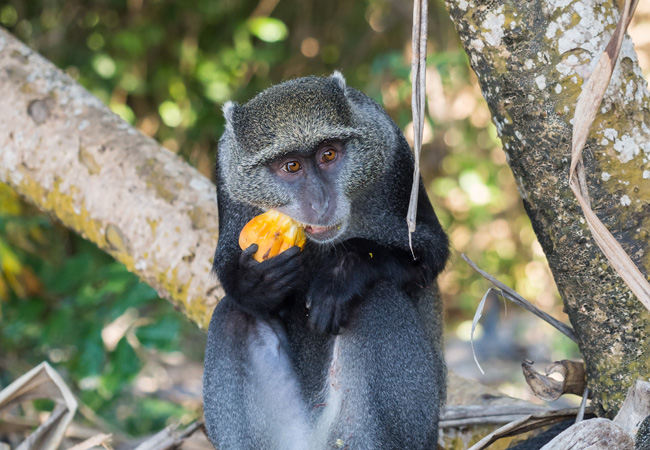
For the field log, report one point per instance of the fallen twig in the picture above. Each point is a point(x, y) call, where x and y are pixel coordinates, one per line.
point(168, 438)
point(528, 423)
point(95, 441)
point(583, 405)
point(466, 415)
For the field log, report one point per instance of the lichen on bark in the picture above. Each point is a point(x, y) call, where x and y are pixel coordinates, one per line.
point(531, 59)
point(67, 153)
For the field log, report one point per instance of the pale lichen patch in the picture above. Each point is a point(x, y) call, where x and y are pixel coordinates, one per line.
point(610, 133)
point(605, 176)
point(541, 82)
point(553, 5)
point(477, 45)
point(628, 147)
point(625, 200)
point(493, 26)
point(625, 87)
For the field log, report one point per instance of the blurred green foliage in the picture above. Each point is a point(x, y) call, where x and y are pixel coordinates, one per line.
point(69, 303)
point(167, 67)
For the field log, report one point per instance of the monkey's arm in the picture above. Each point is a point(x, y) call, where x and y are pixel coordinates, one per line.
point(349, 272)
point(356, 265)
point(257, 289)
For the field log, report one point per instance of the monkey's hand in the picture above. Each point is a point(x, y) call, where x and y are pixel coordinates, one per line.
point(261, 288)
point(336, 291)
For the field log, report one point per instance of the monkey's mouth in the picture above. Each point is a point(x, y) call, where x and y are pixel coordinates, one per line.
point(320, 233)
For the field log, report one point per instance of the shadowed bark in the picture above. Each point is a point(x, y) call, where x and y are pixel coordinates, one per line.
point(531, 59)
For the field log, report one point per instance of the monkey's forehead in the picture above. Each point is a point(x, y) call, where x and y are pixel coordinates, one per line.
point(291, 111)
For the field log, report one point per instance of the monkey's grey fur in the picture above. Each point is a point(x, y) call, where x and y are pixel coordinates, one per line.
point(363, 367)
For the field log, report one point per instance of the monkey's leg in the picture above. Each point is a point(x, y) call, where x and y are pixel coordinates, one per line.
point(385, 380)
point(250, 391)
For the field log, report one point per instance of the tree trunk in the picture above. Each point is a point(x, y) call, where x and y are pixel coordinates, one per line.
point(531, 59)
point(67, 153)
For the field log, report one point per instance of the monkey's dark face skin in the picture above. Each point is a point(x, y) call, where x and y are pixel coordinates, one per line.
point(342, 341)
point(315, 180)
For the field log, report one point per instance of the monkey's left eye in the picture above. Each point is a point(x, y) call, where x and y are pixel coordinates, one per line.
point(328, 155)
point(292, 167)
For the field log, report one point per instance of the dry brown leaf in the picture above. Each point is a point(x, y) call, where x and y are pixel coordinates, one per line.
point(42, 382)
point(548, 389)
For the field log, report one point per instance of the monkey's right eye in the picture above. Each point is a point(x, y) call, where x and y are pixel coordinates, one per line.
point(292, 167)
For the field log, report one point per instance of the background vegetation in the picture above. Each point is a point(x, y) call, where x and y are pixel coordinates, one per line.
point(167, 67)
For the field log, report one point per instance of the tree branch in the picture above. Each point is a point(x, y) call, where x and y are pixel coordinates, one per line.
point(67, 153)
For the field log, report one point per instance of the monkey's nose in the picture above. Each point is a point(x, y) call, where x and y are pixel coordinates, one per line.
point(320, 207)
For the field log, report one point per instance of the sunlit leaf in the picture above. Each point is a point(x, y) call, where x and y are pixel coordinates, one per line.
point(170, 113)
point(104, 65)
point(268, 29)
point(8, 16)
point(124, 111)
point(217, 91)
point(95, 41)
point(130, 42)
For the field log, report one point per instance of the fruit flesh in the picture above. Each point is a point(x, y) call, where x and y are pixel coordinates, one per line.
point(273, 232)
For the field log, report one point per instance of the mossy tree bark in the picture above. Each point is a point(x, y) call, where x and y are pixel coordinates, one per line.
point(67, 153)
point(531, 59)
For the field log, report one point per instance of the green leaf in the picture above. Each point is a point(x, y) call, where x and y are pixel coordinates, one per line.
point(138, 294)
point(161, 335)
point(124, 366)
point(268, 29)
point(91, 358)
point(75, 272)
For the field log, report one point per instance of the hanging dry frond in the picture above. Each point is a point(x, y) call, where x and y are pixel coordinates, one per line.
point(585, 113)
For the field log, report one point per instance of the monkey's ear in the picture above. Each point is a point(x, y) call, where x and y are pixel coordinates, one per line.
point(340, 80)
point(228, 111)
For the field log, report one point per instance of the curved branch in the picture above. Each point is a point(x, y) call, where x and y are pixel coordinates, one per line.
point(67, 153)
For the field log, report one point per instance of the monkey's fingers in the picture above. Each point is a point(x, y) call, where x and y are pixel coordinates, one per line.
point(287, 275)
point(327, 316)
point(247, 254)
point(281, 258)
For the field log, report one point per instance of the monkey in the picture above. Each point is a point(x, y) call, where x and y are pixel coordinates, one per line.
point(338, 345)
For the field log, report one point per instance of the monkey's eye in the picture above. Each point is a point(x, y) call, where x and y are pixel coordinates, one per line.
point(292, 167)
point(328, 155)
